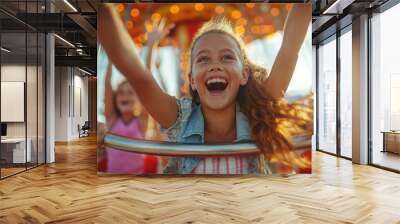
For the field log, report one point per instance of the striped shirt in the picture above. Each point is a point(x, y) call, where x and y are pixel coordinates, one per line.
point(223, 165)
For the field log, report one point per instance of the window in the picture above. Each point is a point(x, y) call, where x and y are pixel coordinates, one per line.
point(385, 88)
point(346, 94)
point(22, 64)
point(327, 97)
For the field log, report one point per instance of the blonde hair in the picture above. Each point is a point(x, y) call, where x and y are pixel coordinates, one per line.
point(268, 118)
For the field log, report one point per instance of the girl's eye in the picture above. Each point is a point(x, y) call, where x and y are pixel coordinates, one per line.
point(202, 59)
point(227, 57)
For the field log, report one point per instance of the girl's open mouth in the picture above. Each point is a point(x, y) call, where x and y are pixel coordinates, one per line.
point(125, 102)
point(216, 85)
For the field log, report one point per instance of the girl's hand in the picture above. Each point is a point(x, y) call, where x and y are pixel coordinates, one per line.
point(159, 31)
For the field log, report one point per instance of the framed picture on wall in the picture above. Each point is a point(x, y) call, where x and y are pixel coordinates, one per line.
point(12, 101)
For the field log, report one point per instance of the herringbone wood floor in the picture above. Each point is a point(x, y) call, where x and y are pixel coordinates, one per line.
point(69, 191)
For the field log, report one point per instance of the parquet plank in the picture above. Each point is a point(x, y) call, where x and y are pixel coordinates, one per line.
point(70, 191)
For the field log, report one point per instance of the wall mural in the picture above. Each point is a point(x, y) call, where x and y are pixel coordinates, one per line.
point(222, 89)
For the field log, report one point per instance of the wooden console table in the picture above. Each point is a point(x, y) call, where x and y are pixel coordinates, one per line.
point(391, 141)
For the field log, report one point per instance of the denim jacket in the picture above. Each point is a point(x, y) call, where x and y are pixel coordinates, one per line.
point(189, 128)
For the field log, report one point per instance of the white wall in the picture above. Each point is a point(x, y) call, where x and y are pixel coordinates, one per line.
point(80, 103)
point(71, 94)
point(61, 103)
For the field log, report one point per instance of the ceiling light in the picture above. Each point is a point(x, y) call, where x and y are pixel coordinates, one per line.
point(70, 5)
point(5, 50)
point(84, 71)
point(337, 7)
point(65, 41)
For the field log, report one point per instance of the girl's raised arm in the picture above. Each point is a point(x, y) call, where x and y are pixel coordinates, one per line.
point(109, 110)
point(121, 51)
point(295, 31)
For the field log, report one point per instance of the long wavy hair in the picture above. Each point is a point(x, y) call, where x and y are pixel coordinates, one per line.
point(271, 121)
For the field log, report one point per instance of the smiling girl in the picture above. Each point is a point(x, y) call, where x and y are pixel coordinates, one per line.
point(125, 117)
point(232, 100)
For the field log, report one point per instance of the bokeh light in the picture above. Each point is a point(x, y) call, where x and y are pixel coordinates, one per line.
point(155, 16)
point(120, 7)
point(129, 24)
point(174, 9)
point(241, 22)
point(288, 7)
point(135, 12)
point(149, 26)
point(236, 14)
point(219, 9)
point(275, 12)
point(250, 5)
point(240, 30)
point(198, 7)
point(258, 19)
